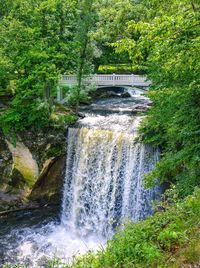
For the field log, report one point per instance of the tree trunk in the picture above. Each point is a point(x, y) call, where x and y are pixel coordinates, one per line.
point(193, 7)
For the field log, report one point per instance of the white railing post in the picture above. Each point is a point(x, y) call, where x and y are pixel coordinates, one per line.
point(95, 79)
point(113, 79)
point(59, 94)
point(132, 78)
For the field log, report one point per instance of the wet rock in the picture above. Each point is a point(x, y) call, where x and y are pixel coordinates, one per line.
point(16, 178)
point(81, 115)
point(5, 161)
point(125, 95)
point(109, 94)
point(12, 200)
point(33, 151)
point(49, 184)
point(139, 109)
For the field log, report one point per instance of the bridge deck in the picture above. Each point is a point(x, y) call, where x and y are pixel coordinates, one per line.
point(108, 80)
point(101, 80)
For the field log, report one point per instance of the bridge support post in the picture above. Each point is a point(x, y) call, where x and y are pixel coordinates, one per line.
point(59, 94)
point(132, 82)
point(113, 79)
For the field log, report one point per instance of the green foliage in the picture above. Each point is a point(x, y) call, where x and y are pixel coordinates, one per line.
point(61, 116)
point(165, 39)
point(59, 120)
point(5, 78)
point(37, 44)
point(55, 262)
point(119, 69)
point(25, 113)
point(80, 95)
point(113, 16)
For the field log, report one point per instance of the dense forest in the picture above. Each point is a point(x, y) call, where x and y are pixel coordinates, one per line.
point(41, 40)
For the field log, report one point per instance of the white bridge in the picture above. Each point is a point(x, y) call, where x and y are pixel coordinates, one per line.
point(107, 80)
point(101, 80)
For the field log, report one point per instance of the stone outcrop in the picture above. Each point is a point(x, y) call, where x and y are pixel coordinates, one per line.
point(33, 168)
point(139, 108)
point(49, 184)
point(5, 163)
point(23, 162)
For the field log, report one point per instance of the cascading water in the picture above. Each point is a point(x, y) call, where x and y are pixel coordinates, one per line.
point(104, 181)
point(103, 187)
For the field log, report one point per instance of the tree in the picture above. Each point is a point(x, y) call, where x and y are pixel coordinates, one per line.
point(37, 45)
point(85, 25)
point(114, 16)
point(167, 43)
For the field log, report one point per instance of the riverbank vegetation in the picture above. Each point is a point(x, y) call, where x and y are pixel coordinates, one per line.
point(172, 41)
point(163, 39)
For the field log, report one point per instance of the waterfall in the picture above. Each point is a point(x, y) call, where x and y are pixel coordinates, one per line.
point(103, 187)
point(104, 181)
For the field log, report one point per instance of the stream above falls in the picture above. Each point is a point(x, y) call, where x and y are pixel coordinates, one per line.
point(103, 188)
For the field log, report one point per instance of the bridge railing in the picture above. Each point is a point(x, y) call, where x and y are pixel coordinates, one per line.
point(102, 80)
point(108, 80)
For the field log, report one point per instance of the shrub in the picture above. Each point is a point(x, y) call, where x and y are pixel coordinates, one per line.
point(25, 113)
point(120, 69)
point(75, 95)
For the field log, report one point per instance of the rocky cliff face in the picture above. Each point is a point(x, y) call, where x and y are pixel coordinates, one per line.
point(5, 162)
point(24, 162)
point(32, 169)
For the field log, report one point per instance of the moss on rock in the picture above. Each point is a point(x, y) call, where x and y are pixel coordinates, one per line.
point(23, 162)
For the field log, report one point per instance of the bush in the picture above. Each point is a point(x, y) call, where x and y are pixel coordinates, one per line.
point(121, 69)
point(75, 95)
point(25, 113)
point(173, 125)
